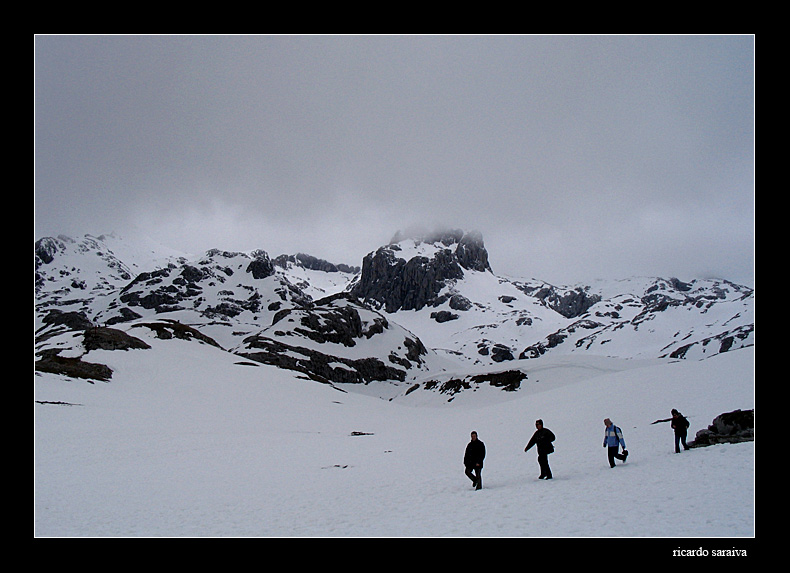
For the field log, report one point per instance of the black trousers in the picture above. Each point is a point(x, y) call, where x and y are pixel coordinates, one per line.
point(613, 454)
point(680, 438)
point(476, 477)
point(543, 461)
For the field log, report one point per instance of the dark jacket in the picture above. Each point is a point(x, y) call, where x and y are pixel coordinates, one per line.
point(542, 438)
point(475, 454)
point(680, 425)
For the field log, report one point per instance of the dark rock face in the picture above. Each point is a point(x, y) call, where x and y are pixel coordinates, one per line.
point(568, 303)
point(313, 263)
point(730, 427)
point(124, 315)
point(167, 329)
point(261, 266)
point(471, 253)
point(317, 365)
point(501, 353)
point(45, 250)
point(404, 285)
point(102, 338)
point(399, 284)
point(312, 339)
point(508, 381)
point(71, 320)
point(51, 363)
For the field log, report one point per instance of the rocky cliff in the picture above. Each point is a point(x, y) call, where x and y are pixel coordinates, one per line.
point(409, 273)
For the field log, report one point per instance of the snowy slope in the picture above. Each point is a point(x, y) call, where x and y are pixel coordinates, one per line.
point(186, 441)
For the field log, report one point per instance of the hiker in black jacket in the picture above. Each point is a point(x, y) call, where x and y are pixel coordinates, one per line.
point(473, 461)
point(680, 424)
point(543, 438)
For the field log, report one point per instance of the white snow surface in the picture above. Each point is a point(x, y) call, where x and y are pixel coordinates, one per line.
point(190, 442)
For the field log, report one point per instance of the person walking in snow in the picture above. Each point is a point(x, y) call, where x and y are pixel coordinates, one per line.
point(542, 438)
point(680, 424)
point(473, 461)
point(613, 439)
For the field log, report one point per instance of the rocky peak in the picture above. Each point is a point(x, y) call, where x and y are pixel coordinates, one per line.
point(468, 247)
point(409, 272)
point(46, 248)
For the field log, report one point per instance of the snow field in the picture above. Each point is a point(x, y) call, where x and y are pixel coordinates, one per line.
point(189, 443)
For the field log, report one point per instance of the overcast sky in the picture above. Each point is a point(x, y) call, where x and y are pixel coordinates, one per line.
point(577, 157)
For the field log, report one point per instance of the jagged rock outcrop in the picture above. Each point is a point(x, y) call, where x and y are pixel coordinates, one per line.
point(313, 263)
point(103, 338)
point(471, 253)
point(408, 274)
point(398, 284)
point(45, 250)
point(72, 320)
point(728, 428)
point(260, 266)
point(93, 338)
point(51, 362)
point(570, 303)
point(319, 366)
point(336, 340)
point(508, 381)
point(167, 329)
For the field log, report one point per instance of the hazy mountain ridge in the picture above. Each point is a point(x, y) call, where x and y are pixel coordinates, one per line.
point(417, 309)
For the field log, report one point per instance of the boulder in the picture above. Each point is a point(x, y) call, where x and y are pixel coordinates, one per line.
point(730, 427)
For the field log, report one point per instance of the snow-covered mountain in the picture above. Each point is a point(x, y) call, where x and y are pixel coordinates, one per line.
point(419, 310)
point(234, 394)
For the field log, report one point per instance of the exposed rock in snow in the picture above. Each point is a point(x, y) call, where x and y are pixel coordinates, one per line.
point(728, 428)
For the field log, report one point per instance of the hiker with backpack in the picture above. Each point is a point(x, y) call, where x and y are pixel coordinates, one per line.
point(680, 424)
point(613, 439)
point(542, 438)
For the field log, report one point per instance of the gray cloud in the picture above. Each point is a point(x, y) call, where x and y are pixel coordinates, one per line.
point(576, 157)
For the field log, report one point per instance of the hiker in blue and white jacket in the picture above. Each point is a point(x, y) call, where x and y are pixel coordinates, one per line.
point(613, 439)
